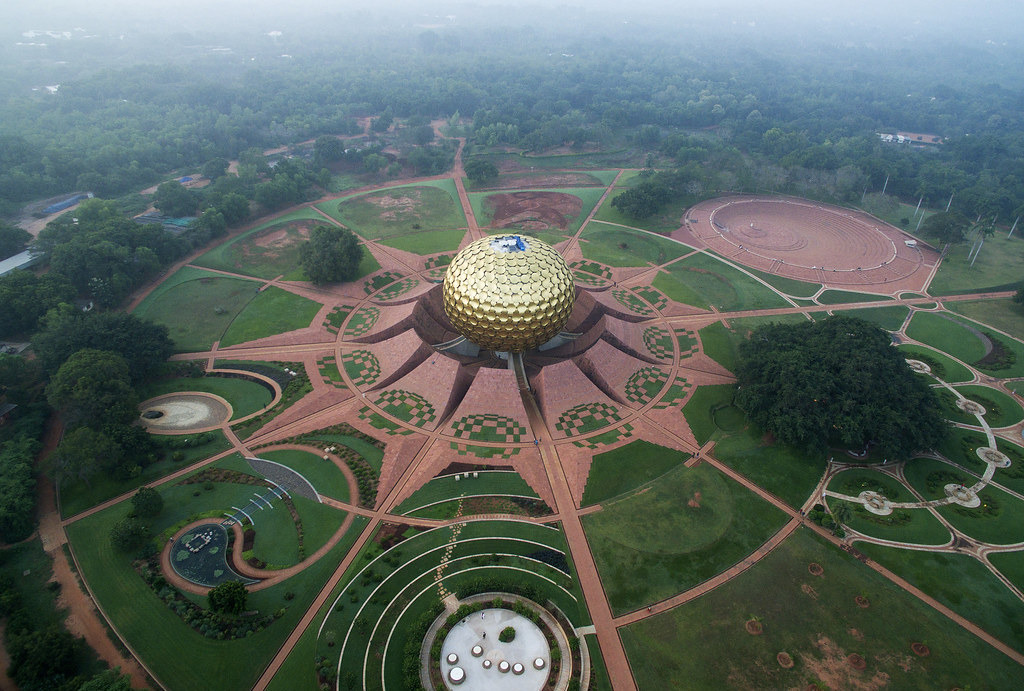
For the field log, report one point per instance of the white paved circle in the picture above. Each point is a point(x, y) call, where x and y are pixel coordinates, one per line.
point(186, 411)
point(528, 645)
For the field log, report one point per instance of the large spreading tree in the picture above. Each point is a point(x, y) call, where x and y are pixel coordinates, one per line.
point(331, 255)
point(836, 382)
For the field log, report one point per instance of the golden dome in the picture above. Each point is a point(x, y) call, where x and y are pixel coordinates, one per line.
point(508, 292)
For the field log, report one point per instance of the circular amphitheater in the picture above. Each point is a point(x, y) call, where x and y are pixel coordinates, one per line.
point(810, 241)
point(182, 413)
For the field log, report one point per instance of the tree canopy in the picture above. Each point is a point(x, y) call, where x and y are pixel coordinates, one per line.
point(26, 297)
point(836, 382)
point(93, 388)
point(330, 255)
point(228, 597)
point(947, 226)
point(12, 240)
point(481, 170)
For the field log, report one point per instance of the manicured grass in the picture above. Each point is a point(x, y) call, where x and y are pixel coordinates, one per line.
point(716, 283)
point(691, 524)
point(949, 371)
point(616, 246)
point(245, 255)
point(370, 453)
point(319, 523)
point(816, 620)
point(1005, 411)
point(906, 525)
point(999, 526)
point(78, 496)
point(856, 480)
point(718, 345)
point(964, 585)
point(176, 654)
point(277, 541)
point(244, 395)
point(624, 469)
point(961, 447)
point(1005, 314)
point(700, 410)
point(485, 484)
point(1014, 347)
point(325, 477)
point(198, 308)
point(947, 335)
point(665, 221)
point(997, 267)
point(1011, 565)
point(395, 210)
point(271, 312)
point(785, 472)
point(427, 242)
point(789, 286)
point(889, 318)
point(843, 297)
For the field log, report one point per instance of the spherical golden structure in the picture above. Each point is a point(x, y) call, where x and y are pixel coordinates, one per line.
point(508, 292)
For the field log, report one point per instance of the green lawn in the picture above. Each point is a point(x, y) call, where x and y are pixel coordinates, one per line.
point(703, 644)
point(624, 469)
point(1001, 409)
point(271, 312)
point(1005, 315)
point(277, 540)
point(700, 411)
point(689, 525)
point(964, 585)
point(268, 250)
point(1000, 518)
point(397, 210)
point(670, 217)
point(701, 280)
point(961, 447)
point(167, 645)
point(616, 246)
point(889, 318)
point(944, 367)
point(325, 477)
point(843, 297)
point(197, 307)
point(487, 483)
point(1011, 565)
point(783, 471)
point(789, 286)
point(427, 242)
point(244, 395)
point(78, 496)
point(997, 267)
point(906, 525)
point(948, 335)
point(718, 345)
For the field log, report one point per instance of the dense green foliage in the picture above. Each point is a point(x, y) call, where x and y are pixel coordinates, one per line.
point(93, 388)
point(228, 597)
point(836, 381)
point(331, 254)
point(12, 240)
point(26, 297)
point(17, 490)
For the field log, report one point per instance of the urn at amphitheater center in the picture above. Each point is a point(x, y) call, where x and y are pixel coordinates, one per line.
point(508, 292)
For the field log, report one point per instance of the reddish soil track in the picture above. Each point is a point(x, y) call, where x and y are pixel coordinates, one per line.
point(812, 242)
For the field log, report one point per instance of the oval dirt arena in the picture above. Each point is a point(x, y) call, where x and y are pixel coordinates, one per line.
point(810, 241)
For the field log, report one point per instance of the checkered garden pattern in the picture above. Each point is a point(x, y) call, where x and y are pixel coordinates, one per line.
point(645, 384)
point(658, 340)
point(586, 417)
point(407, 406)
point(631, 302)
point(653, 296)
point(439, 260)
point(489, 427)
point(588, 279)
point(675, 394)
point(380, 422)
point(362, 321)
point(361, 366)
point(593, 268)
point(606, 438)
point(484, 452)
point(397, 288)
point(687, 343)
point(375, 283)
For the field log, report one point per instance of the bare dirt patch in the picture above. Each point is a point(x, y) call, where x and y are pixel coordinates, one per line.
point(856, 633)
point(814, 568)
point(694, 502)
point(920, 649)
point(809, 591)
point(534, 210)
point(835, 668)
point(862, 602)
point(276, 240)
point(551, 180)
point(785, 660)
point(754, 627)
point(394, 206)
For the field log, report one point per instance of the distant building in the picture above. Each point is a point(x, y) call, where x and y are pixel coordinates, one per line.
point(22, 260)
point(912, 138)
point(5, 412)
